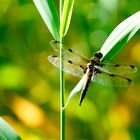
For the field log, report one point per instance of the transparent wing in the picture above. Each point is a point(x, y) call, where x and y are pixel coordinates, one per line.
point(69, 53)
point(107, 79)
point(69, 67)
point(120, 69)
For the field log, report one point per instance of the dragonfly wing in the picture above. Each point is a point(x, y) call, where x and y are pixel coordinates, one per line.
point(69, 67)
point(120, 69)
point(108, 79)
point(69, 53)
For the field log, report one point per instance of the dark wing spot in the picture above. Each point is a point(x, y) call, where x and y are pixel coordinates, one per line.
point(70, 50)
point(112, 75)
point(117, 65)
point(54, 55)
point(81, 66)
point(56, 41)
point(129, 80)
point(132, 66)
point(70, 61)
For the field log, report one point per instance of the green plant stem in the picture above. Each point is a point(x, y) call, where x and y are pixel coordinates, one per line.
point(62, 84)
point(62, 92)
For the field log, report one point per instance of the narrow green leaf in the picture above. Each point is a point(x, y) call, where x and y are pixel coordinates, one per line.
point(48, 13)
point(66, 16)
point(120, 36)
point(7, 132)
point(77, 88)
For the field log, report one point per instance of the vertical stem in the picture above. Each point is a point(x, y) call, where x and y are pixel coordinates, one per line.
point(62, 91)
point(62, 83)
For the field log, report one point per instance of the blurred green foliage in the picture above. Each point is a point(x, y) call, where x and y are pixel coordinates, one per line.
point(29, 85)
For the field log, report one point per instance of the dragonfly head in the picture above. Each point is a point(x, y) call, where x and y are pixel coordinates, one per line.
point(98, 55)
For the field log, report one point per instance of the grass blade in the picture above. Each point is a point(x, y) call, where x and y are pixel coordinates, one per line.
point(120, 36)
point(48, 13)
point(6, 132)
point(66, 16)
point(77, 88)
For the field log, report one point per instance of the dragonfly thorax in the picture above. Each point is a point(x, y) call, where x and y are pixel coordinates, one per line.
point(91, 65)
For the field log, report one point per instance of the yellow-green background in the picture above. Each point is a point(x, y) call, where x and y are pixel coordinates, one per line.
point(29, 84)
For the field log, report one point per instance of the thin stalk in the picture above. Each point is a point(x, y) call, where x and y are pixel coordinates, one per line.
point(62, 84)
point(62, 92)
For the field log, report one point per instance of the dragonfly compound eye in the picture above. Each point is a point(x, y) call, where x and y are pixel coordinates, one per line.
point(98, 55)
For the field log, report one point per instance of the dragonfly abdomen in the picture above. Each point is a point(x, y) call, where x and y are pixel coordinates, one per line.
point(89, 73)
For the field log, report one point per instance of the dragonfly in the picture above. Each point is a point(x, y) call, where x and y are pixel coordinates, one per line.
point(92, 69)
